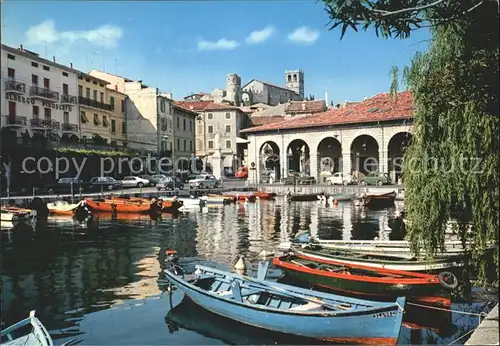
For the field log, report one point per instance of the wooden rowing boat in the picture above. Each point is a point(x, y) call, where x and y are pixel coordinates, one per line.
point(36, 335)
point(118, 206)
point(62, 208)
point(381, 261)
point(378, 201)
point(369, 282)
point(303, 197)
point(293, 310)
point(12, 213)
point(264, 195)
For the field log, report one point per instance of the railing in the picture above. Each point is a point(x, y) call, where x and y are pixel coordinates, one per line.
point(12, 85)
point(69, 99)
point(14, 120)
point(70, 127)
point(45, 123)
point(96, 104)
point(36, 91)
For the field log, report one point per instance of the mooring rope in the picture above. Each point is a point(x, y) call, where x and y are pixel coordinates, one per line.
point(449, 310)
point(454, 341)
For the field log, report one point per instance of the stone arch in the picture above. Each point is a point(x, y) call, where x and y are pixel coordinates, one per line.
point(365, 154)
point(269, 159)
point(329, 153)
point(289, 78)
point(247, 97)
point(395, 152)
point(298, 156)
point(294, 77)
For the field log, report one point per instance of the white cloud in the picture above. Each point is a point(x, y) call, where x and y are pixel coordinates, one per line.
point(222, 44)
point(303, 35)
point(106, 36)
point(260, 36)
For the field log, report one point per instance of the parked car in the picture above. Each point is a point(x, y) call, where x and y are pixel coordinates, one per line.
point(205, 181)
point(170, 183)
point(64, 185)
point(340, 178)
point(376, 178)
point(299, 179)
point(155, 178)
point(131, 181)
point(242, 173)
point(105, 183)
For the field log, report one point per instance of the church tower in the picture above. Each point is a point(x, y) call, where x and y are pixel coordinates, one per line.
point(295, 81)
point(233, 88)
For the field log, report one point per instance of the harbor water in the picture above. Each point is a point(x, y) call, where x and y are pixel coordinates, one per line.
point(102, 282)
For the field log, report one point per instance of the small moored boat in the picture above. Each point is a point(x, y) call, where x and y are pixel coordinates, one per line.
point(264, 195)
point(37, 335)
point(378, 201)
point(121, 206)
point(12, 213)
point(303, 197)
point(293, 310)
point(63, 207)
point(369, 282)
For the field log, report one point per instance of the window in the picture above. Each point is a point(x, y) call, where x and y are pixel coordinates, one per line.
point(65, 74)
point(228, 128)
point(105, 121)
point(34, 79)
point(122, 105)
point(65, 89)
point(47, 114)
point(34, 64)
point(178, 122)
point(46, 83)
point(162, 106)
point(112, 102)
point(46, 68)
point(95, 94)
point(83, 118)
point(228, 144)
point(11, 73)
point(210, 144)
point(113, 125)
point(12, 109)
point(87, 93)
point(96, 119)
point(184, 124)
point(66, 117)
point(228, 115)
point(185, 145)
point(11, 57)
point(210, 116)
point(124, 127)
point(101, 97)
point(178, 144)
point(80, 90)
point(36, 112)
point(191, 125)
point(190, 145)
point(210, 129)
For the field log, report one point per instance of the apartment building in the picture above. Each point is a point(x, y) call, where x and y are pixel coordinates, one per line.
point(218, 126)
point(149, 114)
point(184, 150)
point(39, 97)
point(118, 102)
point(95, 109)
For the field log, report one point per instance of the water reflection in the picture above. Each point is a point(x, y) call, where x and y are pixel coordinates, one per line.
point(90, 278)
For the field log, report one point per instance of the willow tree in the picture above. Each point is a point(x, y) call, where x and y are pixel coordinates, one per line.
point(452, 164)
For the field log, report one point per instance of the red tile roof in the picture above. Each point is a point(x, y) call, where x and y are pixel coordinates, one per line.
point(377, 108)
point(264, 120)
point(205, 106)
point(306, 106)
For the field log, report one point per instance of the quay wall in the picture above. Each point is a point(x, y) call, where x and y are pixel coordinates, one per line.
point(487, 332)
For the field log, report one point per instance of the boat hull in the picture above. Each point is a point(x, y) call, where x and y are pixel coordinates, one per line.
point(117, 206)
point(379, 327)
point(265, 195)
point(304, 198)
point(379, 201)
point(343, 197)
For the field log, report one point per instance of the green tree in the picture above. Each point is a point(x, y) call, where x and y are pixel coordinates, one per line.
point(456, 116)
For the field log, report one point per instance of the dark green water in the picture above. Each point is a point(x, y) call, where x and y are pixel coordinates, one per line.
point(103, 283)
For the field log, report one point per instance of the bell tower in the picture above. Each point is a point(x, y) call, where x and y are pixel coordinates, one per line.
point(294, 80)
point(233, 88)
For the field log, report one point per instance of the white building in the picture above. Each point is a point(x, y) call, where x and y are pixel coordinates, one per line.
point(40, 96)
point(149, 114)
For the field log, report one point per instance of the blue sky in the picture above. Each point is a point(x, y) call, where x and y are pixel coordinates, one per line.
point(189, 46)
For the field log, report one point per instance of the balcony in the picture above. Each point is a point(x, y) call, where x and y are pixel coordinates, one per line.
point(14, 121)
point(12, 86)
point(66, 127)
point(37, 123)
point(44, 94)
point(84, 101)
point(68, 99)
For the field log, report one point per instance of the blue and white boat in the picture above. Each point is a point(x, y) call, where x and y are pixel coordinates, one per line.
point(36, 336)
point(292, 310)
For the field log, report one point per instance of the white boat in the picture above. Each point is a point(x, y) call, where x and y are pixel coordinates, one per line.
point(187, 203)
point(213, 200)
point(62, 207)
point(37, 336)
point(12, 214)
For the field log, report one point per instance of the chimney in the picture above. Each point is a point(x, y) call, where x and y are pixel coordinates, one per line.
point(303, 106)
point(54, 58)
point(21, 47)
point(71, 64)
point(326, 98)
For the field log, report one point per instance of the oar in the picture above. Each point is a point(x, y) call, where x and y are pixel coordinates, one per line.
point(297, 295)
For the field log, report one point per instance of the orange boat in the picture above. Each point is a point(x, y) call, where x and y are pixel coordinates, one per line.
point(118, 206)
point(171, 205)
point(265, 195)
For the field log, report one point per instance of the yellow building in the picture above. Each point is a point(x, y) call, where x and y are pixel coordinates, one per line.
point(95, 109)
point(118, 126)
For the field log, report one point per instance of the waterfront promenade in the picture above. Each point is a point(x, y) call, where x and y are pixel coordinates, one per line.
point(487, 332)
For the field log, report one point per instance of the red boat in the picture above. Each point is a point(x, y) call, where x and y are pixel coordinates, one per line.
point(265, 195)
point(369, 282)
point(121, 205)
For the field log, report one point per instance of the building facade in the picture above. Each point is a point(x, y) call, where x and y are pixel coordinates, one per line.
point(96, 108)
point(368, 136)
point(40, 97)
point(184, 149)
point(118, 128)
point(218, 127)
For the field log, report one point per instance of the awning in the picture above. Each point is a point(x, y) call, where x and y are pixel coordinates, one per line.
point(240, 140)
